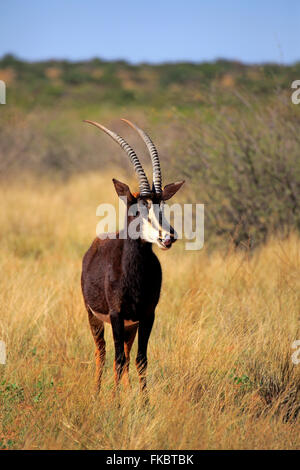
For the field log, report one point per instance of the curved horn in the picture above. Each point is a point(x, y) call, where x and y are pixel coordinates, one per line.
point(145, 189)
point(153, 154)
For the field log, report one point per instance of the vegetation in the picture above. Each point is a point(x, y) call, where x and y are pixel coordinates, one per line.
point(220, 368)
point(244, 165)
point(230, 128)
point(120, 83)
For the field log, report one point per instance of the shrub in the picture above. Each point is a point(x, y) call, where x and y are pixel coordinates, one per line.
point(245, 167)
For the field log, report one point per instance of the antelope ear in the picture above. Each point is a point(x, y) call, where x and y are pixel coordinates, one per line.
point(122, 189)
point(171, 189)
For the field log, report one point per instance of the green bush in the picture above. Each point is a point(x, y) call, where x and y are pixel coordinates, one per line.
point(245, 167)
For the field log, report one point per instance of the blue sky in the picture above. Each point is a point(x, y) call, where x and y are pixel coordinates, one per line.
point(251, 31)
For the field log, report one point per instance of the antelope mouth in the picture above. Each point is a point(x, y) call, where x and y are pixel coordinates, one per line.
point(164, 245)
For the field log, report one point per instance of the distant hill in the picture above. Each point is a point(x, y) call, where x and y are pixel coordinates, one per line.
point(120, 83)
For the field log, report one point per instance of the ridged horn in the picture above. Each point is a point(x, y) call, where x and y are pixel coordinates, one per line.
point(153, 154)
point(145, 189)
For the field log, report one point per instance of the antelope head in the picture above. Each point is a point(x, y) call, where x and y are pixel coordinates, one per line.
point(146, 206)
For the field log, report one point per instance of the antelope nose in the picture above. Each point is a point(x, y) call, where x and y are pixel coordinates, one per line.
point(168, 242)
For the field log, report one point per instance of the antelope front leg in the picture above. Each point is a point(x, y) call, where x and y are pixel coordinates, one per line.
point(97, 328)
point(117, 324)
point(145, 327)
point(129, 337)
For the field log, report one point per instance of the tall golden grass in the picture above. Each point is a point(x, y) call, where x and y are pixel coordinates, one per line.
point(220, 371)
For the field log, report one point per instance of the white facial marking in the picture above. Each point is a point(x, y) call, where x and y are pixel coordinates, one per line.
point(154, 226)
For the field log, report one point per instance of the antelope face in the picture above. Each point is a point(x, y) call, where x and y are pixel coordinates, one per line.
point(146, 219)
point(154, 227)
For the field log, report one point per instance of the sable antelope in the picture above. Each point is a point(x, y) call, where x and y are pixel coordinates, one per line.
point(121, 277)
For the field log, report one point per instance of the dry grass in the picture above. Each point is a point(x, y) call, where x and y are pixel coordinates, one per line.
point(220, 369)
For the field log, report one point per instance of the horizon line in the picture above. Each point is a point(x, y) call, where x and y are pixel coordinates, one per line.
point(151, 63)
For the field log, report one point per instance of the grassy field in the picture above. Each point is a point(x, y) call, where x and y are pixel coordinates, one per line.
point(220, 369)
